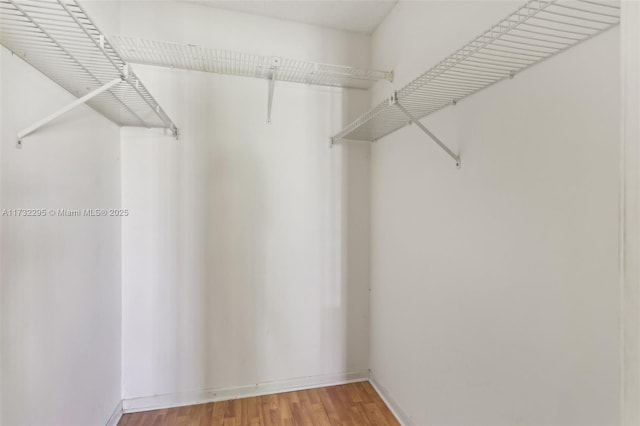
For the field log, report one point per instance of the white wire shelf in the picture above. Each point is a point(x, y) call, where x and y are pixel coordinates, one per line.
point(59, 39)
point(195, 58)
point(536, 31)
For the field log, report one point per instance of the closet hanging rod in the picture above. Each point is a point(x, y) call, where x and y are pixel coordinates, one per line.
point(536, 31)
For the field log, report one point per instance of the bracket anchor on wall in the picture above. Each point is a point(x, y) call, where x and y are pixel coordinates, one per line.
point(396, 102)
point(389, 76)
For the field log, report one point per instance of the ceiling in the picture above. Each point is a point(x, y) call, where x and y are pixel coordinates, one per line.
point(361, 16)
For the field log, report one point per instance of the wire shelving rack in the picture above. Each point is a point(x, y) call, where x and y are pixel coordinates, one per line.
point(190, 57)
point(536, 31)
point(59, 39)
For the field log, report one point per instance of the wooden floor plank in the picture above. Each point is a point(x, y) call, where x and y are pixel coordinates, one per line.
point(332, 414)
point(355, 404)
point(219, 408)
point(319, 413)
point(206, 415)
point(286, 416)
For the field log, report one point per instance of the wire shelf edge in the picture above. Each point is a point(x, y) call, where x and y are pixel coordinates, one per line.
point(195, 58)
point(536, 31)
point(59, 39)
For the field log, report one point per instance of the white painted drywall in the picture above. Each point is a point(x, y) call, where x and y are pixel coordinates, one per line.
point(495, 288)
point(630, 243)
point(245, 258)
point(60, 288)
point(1, 321)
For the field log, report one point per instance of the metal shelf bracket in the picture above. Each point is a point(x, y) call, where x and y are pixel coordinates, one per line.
point(58, 38)
point(66, 109)
point(395, 102)
point(272, 83)
point(537, 30)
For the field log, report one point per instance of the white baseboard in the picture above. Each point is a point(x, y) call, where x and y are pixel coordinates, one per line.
point(397, 411)
point(180, 399)
point(115, 416)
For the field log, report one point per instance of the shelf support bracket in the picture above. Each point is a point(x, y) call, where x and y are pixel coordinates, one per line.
point(272, 83)
point(412, 119)
point(67, 108)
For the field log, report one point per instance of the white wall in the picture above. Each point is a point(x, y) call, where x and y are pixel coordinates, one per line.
point(630, 243)
point(495, 295)
point(60, 280)
point(245, 258)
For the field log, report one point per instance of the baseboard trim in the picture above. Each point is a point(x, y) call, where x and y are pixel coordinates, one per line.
point(116, 415)
point(400, 414)
point(156, 402)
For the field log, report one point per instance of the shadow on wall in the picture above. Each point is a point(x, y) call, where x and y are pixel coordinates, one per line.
point(260, 236)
